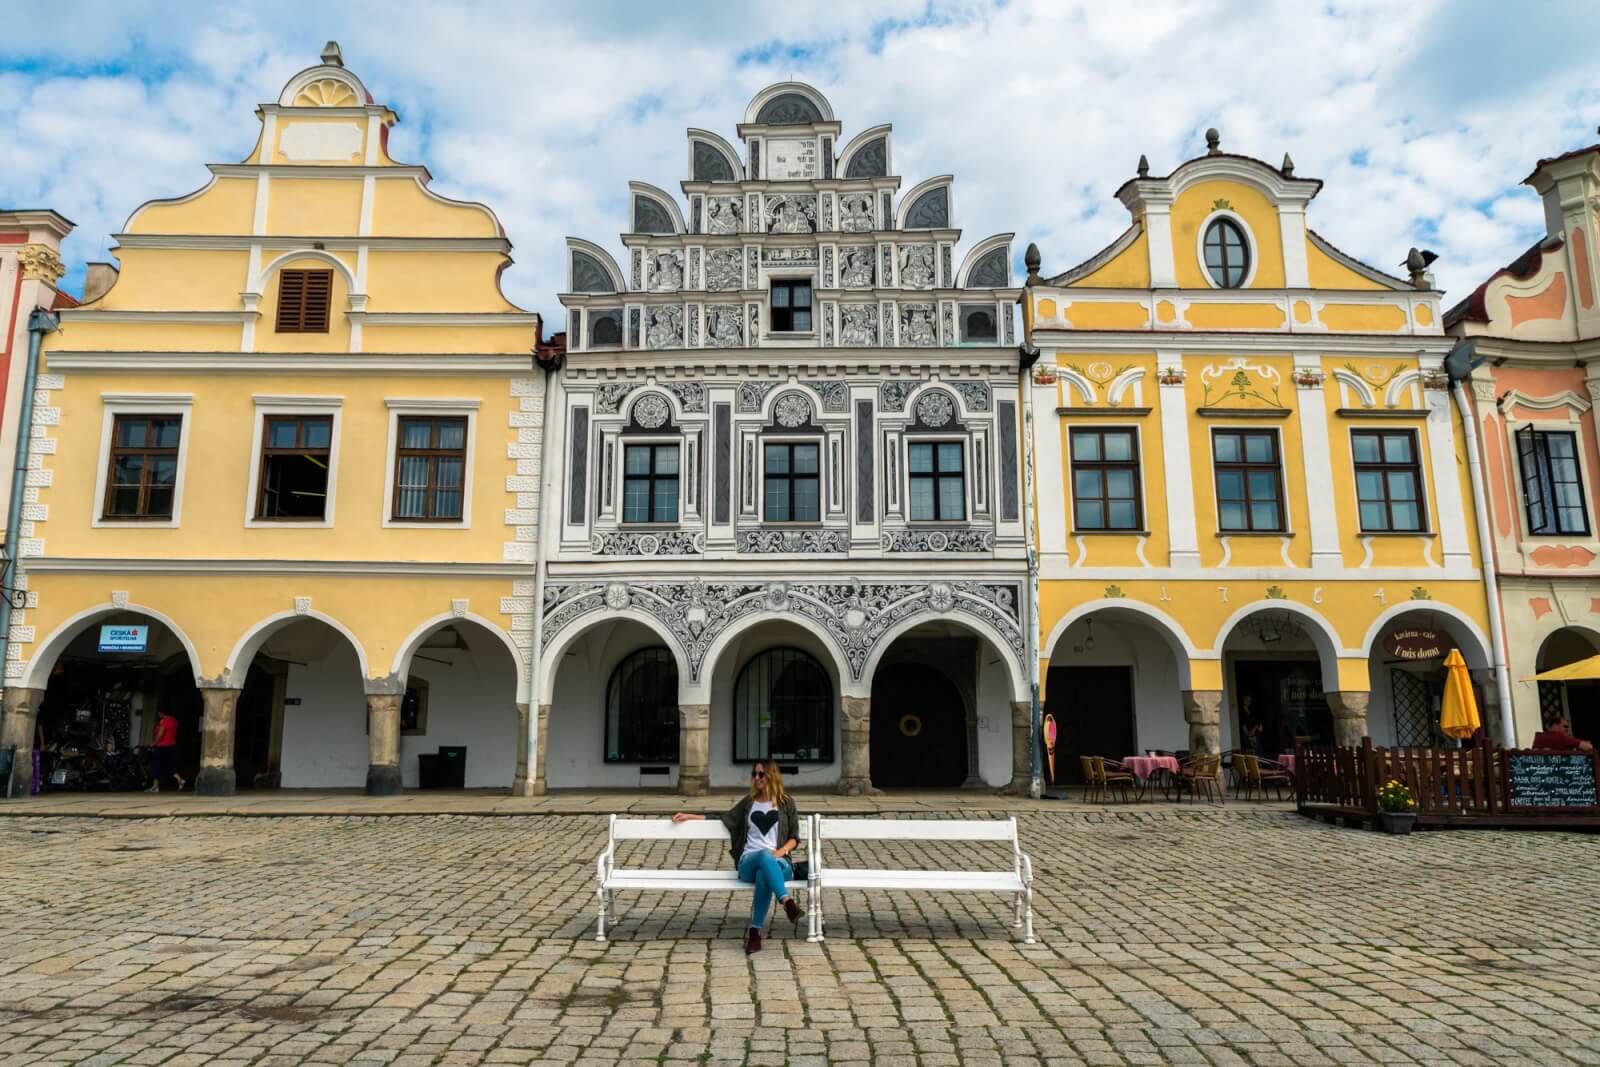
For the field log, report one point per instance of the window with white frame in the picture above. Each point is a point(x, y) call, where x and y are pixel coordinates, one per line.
point(1388, 480)
point(792, 488)
point(790, 310)
point(936, 472)
point(650, 483)
point(296, 454)
point(428, 481)
point(1552, 481)
point(144, 446)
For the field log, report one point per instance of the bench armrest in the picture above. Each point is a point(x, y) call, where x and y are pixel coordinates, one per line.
point(1027, 869)
point(603, 863)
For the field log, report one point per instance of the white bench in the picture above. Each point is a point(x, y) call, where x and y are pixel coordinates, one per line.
point(609, 877)
point(1017, 881)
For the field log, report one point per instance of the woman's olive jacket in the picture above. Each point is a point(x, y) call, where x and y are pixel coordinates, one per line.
point(737, 820)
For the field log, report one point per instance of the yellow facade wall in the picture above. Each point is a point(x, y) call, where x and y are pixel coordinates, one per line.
point(178, 279)
point(435, 281)
point(85, 335)
point(226, 206)
point(403, 207)
point(314, 207)
point(1328, 273)
point(1196, 203)
point(1128, 269)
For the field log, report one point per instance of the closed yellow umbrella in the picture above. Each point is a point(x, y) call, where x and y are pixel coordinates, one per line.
point(1458, 712)
point(1582, 670)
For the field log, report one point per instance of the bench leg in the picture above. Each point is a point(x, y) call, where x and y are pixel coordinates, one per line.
point(1027, 927)
point(1016, 911)
point(600, 924)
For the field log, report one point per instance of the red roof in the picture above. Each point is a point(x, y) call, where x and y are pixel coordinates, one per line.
point(63, 300)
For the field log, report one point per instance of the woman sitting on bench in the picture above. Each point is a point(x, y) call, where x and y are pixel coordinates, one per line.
point(762, 831)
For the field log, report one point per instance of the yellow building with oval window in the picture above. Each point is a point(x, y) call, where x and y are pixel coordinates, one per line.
point(285, 478)
point(1254, 512)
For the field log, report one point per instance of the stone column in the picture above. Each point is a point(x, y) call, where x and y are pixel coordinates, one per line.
point(855, 778)
point(694, 749)
point(17, 728)
point(530, 784)
point(1349, 709)
point(383, 744)
point(1202, 710)
point(1022, 748)
point(216, 778)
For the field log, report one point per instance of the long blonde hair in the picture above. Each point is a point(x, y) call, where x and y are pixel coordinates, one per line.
point(776, 794)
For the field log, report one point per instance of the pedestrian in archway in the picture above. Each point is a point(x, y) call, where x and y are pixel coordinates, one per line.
point(165, 760)
point(762, 830)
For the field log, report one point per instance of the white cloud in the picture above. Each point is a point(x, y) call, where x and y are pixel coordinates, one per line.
point(1040, 108)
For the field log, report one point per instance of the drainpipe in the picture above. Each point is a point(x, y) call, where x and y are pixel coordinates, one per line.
point(541, 560)
point(40, 322)
point(1459, 365)
point(1027, 356)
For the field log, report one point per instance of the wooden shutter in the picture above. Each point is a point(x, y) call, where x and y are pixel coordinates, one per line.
point(304, 297)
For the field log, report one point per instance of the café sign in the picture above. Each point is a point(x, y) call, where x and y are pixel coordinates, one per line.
point(1416, 644)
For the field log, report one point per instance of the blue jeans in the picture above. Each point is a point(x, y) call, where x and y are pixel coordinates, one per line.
point(768, 872)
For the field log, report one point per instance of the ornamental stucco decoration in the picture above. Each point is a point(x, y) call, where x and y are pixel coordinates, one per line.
point(753, 394)
point(788, 109)
point(724, 269)
point(827, 324)
point(792, 410)
point(855, 267)
point(827, 212)
point(835, 395)
point(694, 268)
point(650, 217)
point(608, 398)
point(860, 326)
point(710, 165)
point(666, 326)
point(791, 213)
point(1011, 327)
point(931, 211)
point(670, 543)
point(936, 541)
point(949, 316)
point(651, 411)
point(888, 266)
point(691, 395)
point(752, 265)
point(636, 270)
point(633, 326)
point(588, 276)
point(788, 254)
point(871, 160)
point(892, 394)
point(935, 409)
point(855, 615)
point(975, 394)
point(990, 272)
point(724, 325)
point(666, 271)
point(855, 213)
point(758, 542)
point(40, 262)
point(724, 214)
point(916, 266)
point(693, 337)
point(944, 267)
point(888, 317)
point(917, 325)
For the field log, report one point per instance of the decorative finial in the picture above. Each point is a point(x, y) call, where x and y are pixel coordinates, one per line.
point(1213, 142)
point(1288, 166)
point(1417, 262)
point(1144, 167)
point(331, 56)
point(1031, 260)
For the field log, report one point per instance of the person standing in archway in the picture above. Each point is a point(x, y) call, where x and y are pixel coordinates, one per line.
point(762, 830)
point(165, 762)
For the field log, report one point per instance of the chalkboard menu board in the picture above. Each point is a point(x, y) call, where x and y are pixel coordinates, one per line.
point(1550, 780)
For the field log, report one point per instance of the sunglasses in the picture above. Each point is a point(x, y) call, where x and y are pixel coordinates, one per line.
point(758, 774)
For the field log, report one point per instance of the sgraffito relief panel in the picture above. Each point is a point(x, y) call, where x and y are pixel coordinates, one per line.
point(725, 214)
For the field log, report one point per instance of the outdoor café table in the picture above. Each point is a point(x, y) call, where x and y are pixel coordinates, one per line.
point(1287, 760)
point(1146, 767)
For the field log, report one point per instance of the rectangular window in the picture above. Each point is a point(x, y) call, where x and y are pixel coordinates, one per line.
point(1552, 482)
point(793, 483)
point(938, 487)
point(293, 482)
point(303, 300)
point(1249, 481)
point(791, 307)
point(430, 467)
point(1105, 480)
point(144, 466)
point(650, 483)
point(1388, 480)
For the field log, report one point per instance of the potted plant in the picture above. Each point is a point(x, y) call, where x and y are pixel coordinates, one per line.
point(1397, 808)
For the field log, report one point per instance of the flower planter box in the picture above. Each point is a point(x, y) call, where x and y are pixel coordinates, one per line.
point(1396, 822)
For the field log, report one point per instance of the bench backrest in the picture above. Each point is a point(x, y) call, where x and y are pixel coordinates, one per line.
point(629, 829)
point(839, 829)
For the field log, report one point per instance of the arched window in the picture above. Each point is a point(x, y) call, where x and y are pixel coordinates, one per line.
point(642, 708)
point(783, 709)
point(1227, 254)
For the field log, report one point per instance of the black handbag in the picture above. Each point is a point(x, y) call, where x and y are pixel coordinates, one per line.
point(802, 871)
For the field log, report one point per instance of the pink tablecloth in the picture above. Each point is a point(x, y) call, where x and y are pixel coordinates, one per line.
point(1142, 767)
point(1288, 762)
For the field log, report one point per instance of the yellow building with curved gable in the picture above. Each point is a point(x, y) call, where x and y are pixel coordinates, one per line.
point(297, 443)
point(1253, 503)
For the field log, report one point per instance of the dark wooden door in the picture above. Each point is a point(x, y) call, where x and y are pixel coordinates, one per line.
point(1093, 710)
point(919, 729)
point(253, 726)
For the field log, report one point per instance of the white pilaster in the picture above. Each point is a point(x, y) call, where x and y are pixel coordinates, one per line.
point(1163, 264)
point(1324, 514)
point(1446, 480)
point(1180, 475)
point(1292, 227)
point(1048, 470)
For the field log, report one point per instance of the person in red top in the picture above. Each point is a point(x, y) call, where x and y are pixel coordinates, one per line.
point(1559, 735)
point(165, 763)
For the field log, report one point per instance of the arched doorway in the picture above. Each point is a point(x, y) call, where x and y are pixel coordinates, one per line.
point(107, 685)
point(458, 712)
point(1405, 665)
point(1579, 701)
point(919, 728)
point(1278, 664)
point(301, 719)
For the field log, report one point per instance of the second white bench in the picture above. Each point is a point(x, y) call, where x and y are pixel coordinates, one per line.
point(1015, 881)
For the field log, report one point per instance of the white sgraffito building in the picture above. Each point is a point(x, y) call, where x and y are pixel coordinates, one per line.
point(786, 477)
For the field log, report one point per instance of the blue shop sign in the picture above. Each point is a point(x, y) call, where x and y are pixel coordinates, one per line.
point(124, 638)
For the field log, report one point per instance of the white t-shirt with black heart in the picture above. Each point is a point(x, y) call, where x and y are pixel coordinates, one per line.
point(761, 828)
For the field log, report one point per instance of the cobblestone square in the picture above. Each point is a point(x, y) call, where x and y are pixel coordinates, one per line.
point(1165, 936)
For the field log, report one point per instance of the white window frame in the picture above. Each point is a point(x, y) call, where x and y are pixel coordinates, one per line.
point(1249, 240)
point(1138, 444)
point(1283, 481)
point(965, 441)
point(781, 275)
point(621, 487)
point(1519, 503)
point(785, 438)
point(425, 406)
point(114, 404)
point(1419, 441)
point(293, 405)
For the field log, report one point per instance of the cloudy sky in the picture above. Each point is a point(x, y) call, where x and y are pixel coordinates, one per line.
point(1422, 117)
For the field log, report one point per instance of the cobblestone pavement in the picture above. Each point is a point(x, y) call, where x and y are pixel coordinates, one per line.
point(1208, 936)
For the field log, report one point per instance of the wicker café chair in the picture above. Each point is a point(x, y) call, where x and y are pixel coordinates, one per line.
point(1253, 775)
point(1199, 775)
point(1091, 784)
point(1114, 778)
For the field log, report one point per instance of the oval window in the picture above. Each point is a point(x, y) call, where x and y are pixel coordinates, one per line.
point(1227, 254)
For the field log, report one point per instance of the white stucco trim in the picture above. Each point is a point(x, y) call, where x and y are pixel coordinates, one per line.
point(401, 667)
point(37, 673)
point(1322, 634)
point(243, 653)
point(1316, 455)
point(549, 659)
point(426, 406)
point(1575, 404)
point(1250, 241)
point(114, 404)
point(700, 693)
point(259, 281)
point(1020, 689)
point(293, 405)
point(1183, 539)
point(1169, 629)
